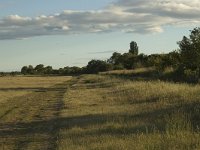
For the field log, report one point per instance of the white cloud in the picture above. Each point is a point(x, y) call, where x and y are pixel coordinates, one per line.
point(138, 16)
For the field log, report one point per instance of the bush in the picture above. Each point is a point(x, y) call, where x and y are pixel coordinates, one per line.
point(186, 74)
point(95, 66)
point(118, 67)
point(191, 76)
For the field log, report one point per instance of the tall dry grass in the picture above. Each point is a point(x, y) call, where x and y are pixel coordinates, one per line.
point(104, 112)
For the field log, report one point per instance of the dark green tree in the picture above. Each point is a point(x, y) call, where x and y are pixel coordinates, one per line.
point(142, 60)
point(190, 50)
point(115, 58)
point(95, 66)
point(133, 48)
point(128, 60)
point(24, 70)
point(75, 70)
point(30, 69)
point(189, 68)
point(39, 69)
point(27, 70)
point(48, 70)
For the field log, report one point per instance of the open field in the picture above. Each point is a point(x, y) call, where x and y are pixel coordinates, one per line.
point(30, 82)
point(29, 107)
point(98, 112)
point(105, 112)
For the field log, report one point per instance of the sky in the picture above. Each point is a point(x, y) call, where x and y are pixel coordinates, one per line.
point(71, 33)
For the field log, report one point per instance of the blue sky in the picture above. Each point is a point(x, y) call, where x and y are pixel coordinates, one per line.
point(70, 33)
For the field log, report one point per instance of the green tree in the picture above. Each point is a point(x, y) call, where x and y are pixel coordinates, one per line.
point(133, 48)
point(142, 60)
point(24, 70)
point(30, 69)
point(128, 60)
point(115, 58)
point(27, 70)
point(190, 50)
point(48, 70)
point(95, 66)
point(39, 69)
point(75, 70)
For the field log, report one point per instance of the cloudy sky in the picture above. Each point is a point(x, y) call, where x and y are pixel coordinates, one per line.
point(70, 33)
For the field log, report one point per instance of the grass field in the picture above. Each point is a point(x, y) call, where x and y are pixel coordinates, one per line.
point(29, 107)
point(98, 112)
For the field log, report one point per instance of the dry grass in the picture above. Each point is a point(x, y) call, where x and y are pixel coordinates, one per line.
point(98, 112)
point(29, 108)
point(33, 82)
point(128, 72)
point(8, 95)
point(104, 112)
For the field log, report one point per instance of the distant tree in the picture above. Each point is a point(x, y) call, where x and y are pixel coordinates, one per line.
point(129, 60)
point(70, 70)
point(2, 74)
point(155, 60)
point(115, 58)
point(67, 70)
point(75, 70)
point(173, 59)
point(24, 70)
point(48, 70)
point(39, 69)
point(30, 69)
point(95, 66)
point(14, 73)
point(142, 60)
point(133, 48)
point(27, 70)
point(61, 71)
point(84, 70)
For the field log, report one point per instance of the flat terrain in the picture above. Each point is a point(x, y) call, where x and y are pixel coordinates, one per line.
point(98, 112)
point(29, 107)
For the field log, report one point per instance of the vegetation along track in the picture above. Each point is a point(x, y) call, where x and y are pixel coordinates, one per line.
point(30, 121)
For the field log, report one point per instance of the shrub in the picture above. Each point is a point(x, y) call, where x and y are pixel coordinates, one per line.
point(191, 76)
point(186, 74)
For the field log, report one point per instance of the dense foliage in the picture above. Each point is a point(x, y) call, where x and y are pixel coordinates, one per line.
point(48, 70)
point(184, 62)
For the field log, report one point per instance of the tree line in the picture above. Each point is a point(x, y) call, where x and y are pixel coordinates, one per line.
point(185, 62)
